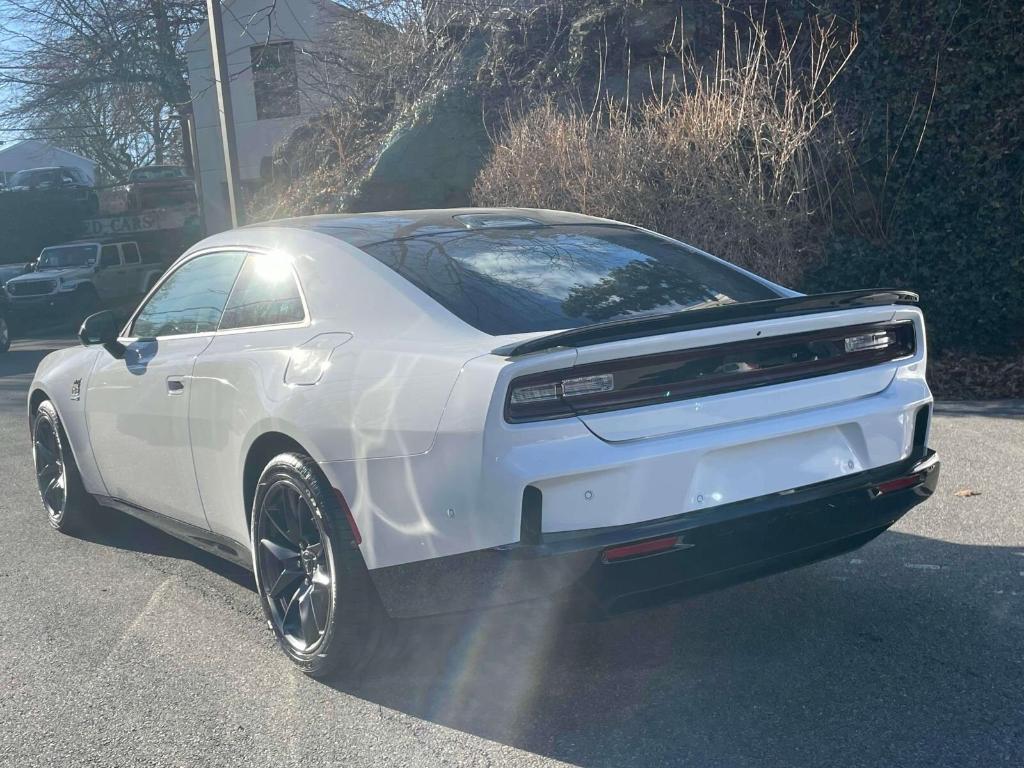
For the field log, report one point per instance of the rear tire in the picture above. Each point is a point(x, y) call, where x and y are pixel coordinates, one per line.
point(313, 585)
point(69, 507)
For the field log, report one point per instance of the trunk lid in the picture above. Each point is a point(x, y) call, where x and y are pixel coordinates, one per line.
point(724, 365)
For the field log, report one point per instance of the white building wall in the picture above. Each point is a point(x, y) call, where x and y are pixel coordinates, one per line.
point(301, 22)
point(38, 154)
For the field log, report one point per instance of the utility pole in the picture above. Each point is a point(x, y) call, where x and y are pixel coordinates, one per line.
point(188, 130)
point(222, 79)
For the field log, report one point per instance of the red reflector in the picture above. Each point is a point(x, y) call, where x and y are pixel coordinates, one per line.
point(898, 484)
point(348, 516)
point(640, 548)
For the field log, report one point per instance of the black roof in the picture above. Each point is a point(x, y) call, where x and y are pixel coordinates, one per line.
point(360, 229)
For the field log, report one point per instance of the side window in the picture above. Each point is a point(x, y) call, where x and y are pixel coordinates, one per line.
point(191, 299)
point(130, 252)
point(109, 256)
point(264, 294)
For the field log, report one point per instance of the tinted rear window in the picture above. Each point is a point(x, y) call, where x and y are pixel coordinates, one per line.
point(520, 280)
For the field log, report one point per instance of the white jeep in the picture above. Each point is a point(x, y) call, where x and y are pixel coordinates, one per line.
point(76, 277)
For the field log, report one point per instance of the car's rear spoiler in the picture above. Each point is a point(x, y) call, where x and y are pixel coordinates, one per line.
point(709, 317)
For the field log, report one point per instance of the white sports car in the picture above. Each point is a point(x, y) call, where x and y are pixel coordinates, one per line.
point(418, 412)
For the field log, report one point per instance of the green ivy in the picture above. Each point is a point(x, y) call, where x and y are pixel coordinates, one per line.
point(955, 231)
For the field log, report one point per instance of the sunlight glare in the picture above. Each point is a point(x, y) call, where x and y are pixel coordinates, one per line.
point(272, 267)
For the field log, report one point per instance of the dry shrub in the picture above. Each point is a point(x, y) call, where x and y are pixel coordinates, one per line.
point(315, 168)
point(739, 162)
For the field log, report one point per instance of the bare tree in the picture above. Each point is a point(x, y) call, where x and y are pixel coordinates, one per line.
point(106, 78)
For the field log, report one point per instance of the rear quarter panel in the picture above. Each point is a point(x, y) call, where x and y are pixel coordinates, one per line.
point(381, 394)
point(369, 404)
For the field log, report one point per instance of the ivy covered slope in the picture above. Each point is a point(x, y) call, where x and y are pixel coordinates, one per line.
point(939, 92)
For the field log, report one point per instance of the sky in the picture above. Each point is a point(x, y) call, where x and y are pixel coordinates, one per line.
point(9, 47)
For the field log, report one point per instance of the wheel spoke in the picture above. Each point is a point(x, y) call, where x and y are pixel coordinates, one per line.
point(285, 579)
point(44, 454)
point(307, 620)
point(320, 597)
point(283, 512)
point(51, 490)
point(279, 528)
point(284, 557)
point(49, 437)
point(48, 471)
point(292, 514)
point(291, 608)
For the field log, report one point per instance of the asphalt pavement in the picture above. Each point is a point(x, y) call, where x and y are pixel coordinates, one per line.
point(129, 648)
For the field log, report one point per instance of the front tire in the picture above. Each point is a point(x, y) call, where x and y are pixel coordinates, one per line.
point(313, 585)
point(68, 506)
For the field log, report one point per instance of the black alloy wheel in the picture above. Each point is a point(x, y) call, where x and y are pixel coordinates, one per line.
point(297, 569)
point(313, 584)
point(67, 504)
point(51, 476)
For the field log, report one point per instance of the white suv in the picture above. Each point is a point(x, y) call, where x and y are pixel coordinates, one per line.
point(78, 276)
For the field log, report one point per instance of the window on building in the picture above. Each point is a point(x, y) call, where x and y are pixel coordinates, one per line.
point(275, 80)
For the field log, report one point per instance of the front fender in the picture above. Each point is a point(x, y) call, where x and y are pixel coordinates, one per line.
point(62, 378)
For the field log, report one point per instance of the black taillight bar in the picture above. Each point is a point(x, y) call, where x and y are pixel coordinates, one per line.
point(703, 371)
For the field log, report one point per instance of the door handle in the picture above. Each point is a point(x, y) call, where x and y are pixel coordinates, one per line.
point(175, 386)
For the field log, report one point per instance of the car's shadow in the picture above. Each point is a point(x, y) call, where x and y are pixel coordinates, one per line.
point(112, 528)
point(904, 652)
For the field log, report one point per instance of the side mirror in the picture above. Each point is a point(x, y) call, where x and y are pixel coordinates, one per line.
point(101, 328)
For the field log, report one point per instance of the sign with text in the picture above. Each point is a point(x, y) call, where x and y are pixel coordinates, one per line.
point(144, 221)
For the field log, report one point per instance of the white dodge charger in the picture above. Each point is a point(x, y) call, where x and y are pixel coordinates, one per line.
point(398, 414)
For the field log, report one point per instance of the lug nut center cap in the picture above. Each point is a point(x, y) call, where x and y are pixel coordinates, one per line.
point(308, 561)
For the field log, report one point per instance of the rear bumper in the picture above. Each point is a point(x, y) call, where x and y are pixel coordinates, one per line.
point(713, 548)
